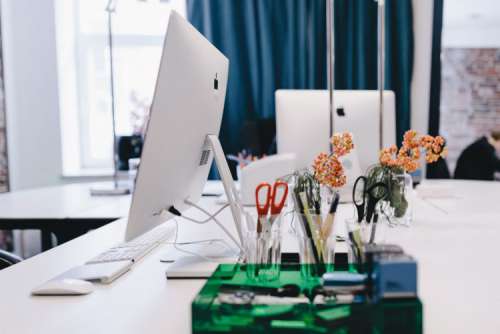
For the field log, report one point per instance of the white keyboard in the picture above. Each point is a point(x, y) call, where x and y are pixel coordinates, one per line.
point(136, 248)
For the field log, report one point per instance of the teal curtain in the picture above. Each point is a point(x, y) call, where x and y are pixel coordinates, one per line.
point(435, 93)
point(270, 45)
point(274, 44)
point(438, 170)
point(356, 51)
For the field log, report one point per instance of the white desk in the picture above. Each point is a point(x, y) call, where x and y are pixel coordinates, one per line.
point(55, 202)
point(456, 253)
point(66, 210)
point(70, 201)
point(60, 210)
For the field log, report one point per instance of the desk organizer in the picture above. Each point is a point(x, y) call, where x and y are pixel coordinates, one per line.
point(209, 315)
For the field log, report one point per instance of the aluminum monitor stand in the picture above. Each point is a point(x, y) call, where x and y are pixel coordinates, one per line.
point(228, 182)
point(194, 267)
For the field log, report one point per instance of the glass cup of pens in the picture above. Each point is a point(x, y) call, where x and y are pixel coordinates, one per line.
point(263, 237)
point(314, 228)
point(357, 237)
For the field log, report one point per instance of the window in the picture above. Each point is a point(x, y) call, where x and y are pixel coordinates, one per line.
point(84, 73)
point(470, 85)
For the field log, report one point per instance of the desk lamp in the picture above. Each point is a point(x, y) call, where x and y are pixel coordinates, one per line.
point(330, 49)
point(381, 66)
point(116, 189)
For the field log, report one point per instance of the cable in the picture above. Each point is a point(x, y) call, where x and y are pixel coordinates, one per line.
point(292, 223)
point(176, 212)
point(213, 217)
point(183, 250)
point(206, 258)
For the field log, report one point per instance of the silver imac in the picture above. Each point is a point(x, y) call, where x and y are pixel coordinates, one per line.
point(302, 119)
point(181, 137)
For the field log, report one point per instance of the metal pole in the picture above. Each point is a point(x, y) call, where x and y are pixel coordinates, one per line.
point(330, 44)
point(110, 9)
point(381, 68)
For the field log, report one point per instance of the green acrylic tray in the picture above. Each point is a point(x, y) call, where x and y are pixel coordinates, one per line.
point(209, 316)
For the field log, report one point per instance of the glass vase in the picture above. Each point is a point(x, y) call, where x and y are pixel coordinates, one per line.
point(263, 248)
point(397, 209)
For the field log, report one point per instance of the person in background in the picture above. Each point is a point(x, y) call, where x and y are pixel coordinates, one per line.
point(479, 160)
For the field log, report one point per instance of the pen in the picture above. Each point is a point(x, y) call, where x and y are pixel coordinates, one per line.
point(355, 244)
point(306, 226)
point(298, 205)
point(330, 218)
point(310, 222)
point(374, 228)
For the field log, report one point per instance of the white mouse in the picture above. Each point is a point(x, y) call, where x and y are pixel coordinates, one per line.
point(63, 287)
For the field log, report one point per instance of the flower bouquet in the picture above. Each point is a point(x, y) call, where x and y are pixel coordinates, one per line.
point(327, 174)
point(395, 165)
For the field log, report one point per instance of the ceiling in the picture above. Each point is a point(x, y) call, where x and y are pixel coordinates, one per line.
point(473, 23)
point(471, 13)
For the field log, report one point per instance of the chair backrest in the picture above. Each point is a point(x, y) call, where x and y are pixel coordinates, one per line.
point(128, 147)
point(302, 122)
point(438, 170)
point(7, 259)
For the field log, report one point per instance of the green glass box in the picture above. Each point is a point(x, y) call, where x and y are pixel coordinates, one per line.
point(209, 315)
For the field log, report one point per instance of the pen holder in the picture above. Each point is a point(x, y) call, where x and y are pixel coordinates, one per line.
point(263, 248)
point(316, 248)
point(309, 268)
point(329, 247)
point(377, 231)
point(358, 235)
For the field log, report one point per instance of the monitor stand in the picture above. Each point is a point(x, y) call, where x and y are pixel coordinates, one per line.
point(198, 267)
point(228, 183)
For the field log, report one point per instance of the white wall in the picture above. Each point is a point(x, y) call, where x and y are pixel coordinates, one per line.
point(420, 87)
point(471, 24)
point(423, 11)
point(32, 104)
point(466, 24)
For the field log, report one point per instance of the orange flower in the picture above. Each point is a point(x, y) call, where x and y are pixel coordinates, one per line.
point(387, 156)
point(342, 143)
point(435, 149)
point(409, 154)
point(426, 141)
point(328, 170)
point(410, 139)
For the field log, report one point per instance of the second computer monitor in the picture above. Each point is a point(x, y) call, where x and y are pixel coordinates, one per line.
point(302, 122)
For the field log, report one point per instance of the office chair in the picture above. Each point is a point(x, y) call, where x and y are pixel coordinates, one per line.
point(128, 147)
point(259, 136)
point(438, 170)
point(8, 259)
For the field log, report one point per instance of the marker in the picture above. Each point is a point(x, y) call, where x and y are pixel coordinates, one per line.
point(330, 218)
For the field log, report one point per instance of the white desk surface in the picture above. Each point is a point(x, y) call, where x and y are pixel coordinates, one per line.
point(456, 249)
point(70, 201)
point(56, 202)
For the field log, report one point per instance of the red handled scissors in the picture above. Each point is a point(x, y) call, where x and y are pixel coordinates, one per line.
point(270, 199)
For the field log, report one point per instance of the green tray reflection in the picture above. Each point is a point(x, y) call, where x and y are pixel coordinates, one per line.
point(211, 316)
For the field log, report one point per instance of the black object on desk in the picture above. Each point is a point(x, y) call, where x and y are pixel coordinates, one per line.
point(64, 229)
